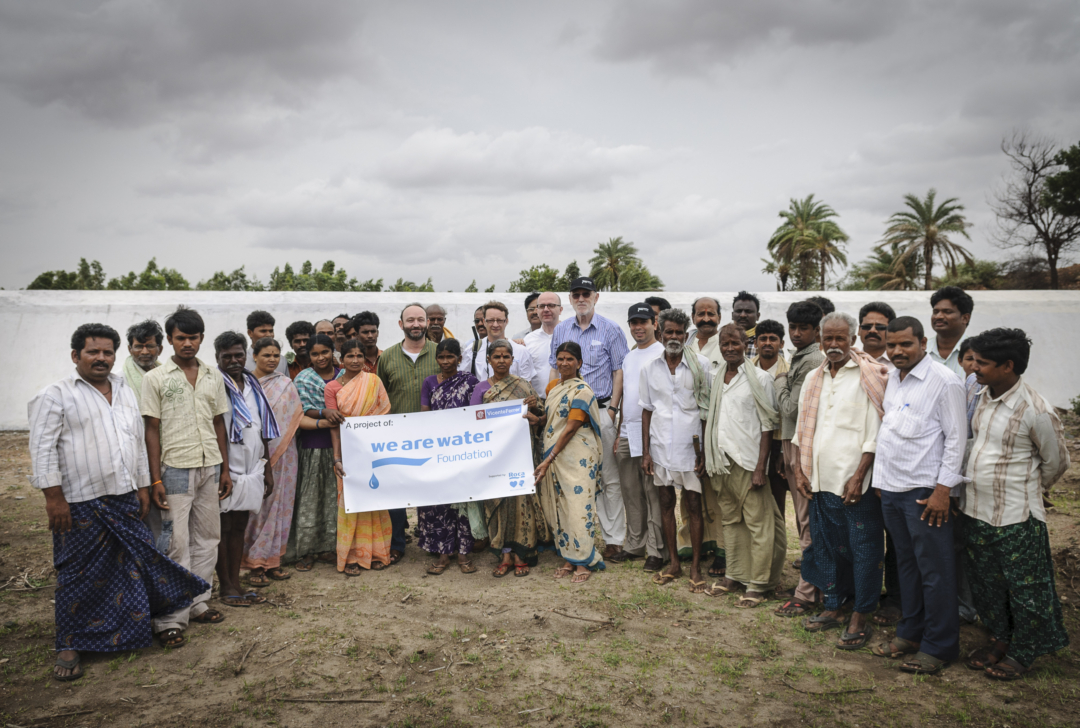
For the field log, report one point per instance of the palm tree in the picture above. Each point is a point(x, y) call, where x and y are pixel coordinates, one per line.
point(608, 261)
point(823, 245)
point(883, 273)
point(805, 237)
point(925, 229)
point(780, 269)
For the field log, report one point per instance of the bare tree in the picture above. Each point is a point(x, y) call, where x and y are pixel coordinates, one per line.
point(1025, 220)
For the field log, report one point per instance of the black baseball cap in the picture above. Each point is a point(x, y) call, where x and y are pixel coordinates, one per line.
point(583, 282)
point(641, 311)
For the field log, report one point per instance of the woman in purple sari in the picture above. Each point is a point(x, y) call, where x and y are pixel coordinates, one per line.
point(443, 529)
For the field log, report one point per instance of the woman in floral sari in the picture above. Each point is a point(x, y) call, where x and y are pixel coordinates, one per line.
point(315, 514)
point(363, 539)
point(268, 531)
point(568, 477)
point(516, 524)
point(444, 529)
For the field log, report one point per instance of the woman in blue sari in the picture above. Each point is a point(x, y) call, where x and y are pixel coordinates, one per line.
point(444, 529)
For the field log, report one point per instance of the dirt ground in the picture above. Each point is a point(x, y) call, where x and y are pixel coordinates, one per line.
point(400, 648)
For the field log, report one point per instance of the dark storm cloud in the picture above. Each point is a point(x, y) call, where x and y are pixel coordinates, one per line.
point(126, 62)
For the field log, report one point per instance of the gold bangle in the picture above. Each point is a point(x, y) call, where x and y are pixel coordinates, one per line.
point(156, 482)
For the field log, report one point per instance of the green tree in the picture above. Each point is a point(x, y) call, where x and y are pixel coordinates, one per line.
point(152, 278)
point(637, 277)
point(403, 286)
point(924, 228)
point(235, 281)
point(608, 261)
point(780, 269)
point(328, 278)
point(572, 271)
point(880, 271)
point(472, 287)
point(806, 238)
point(537, 278)
point(89, 277)
point(1063, 188)
point(490, 289)
point(976, 275)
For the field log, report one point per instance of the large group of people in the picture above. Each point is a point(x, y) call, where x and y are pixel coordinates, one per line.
point(915, 465)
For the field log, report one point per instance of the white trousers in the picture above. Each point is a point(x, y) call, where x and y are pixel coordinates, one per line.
point(609, 503)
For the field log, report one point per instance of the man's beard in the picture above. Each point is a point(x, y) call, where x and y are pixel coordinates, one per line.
point(673, 347)
point(416, 334)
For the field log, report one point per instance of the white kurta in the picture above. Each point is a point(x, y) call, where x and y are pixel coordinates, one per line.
point(738, 427)
point(847, 427)
point(522, 366)
point(246, 462)
point(675, 414)
point(711, 351)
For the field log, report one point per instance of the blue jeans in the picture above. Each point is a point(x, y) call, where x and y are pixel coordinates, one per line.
point(926, 566)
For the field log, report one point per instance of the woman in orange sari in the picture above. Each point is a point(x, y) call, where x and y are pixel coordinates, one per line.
point(363, 539)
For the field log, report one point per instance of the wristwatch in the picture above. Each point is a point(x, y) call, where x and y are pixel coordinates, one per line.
point(614, 409)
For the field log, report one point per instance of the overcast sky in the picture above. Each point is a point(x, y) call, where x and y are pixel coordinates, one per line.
point(464, 140)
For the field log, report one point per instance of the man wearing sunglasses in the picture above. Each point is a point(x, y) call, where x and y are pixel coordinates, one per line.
point(874, 319)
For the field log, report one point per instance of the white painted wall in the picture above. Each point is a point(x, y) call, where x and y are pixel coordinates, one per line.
point(36, 326)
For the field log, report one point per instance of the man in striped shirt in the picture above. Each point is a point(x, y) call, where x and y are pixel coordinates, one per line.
point(920, 451)
point(1018, 454)
point(603, 346)
point(88, 460)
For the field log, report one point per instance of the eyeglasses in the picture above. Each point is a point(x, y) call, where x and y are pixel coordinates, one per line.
point(478, 320)
point(143, 347)
point(494, 321)
point(875, 327)
point(548, 306)
point(581, 294)
point(530, 309)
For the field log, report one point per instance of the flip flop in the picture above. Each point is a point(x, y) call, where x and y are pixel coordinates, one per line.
point(894, 648)
point(581, 577)
point(863, 636)
point(210, 616)
point(68, 665)
point(749, 602)
point(718, 589)
point(466, 567)
point(396, 556)
point(353, 570)
point(793, 608)
point(501, 570)
point(258, 580)
point(563, 571)
point(663, 579)
point(436, 569)
point(521, 569)
point(379, 566)
point(1009, 668)
point(278, 574)
point(305, 564)
point(820, 623)
point(172, 638)
point(697, 587)
point(236, 601)
point(923, 664)
point(984, 657)
point(255, 598)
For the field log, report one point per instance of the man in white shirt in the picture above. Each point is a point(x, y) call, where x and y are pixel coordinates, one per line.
point(644, 530)
point(1018, 454)
point(950, 317)
point(673, 391)
point(742, 417)
point(706, 315)
point(920, 450)
point(836, 435)
point(538, 341)
point(496, 316)
point(88, 460)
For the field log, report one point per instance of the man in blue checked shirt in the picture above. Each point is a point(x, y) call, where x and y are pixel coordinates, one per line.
point(603, 346)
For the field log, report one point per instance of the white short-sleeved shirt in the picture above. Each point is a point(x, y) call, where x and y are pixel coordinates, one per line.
point(539, 345)
point(633, 363)
point(676, 417)
point(738, 426)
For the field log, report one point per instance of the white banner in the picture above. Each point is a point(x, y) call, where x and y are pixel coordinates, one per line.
point(428, 458)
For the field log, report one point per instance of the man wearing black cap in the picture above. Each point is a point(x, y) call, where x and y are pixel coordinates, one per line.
point(644, 531)
point(603, 347)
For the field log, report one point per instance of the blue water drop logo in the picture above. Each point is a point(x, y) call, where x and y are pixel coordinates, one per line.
point(374, 482)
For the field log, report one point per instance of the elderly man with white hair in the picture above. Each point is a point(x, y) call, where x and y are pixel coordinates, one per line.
point(840, 411)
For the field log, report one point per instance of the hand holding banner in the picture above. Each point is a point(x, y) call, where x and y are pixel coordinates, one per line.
point(428, 458)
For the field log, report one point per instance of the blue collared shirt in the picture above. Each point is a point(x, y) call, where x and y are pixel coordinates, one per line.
point(603, 346)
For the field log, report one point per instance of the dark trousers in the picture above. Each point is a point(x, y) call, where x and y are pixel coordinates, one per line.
point(891, 597)
point(399, 521)
point(926, 566)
